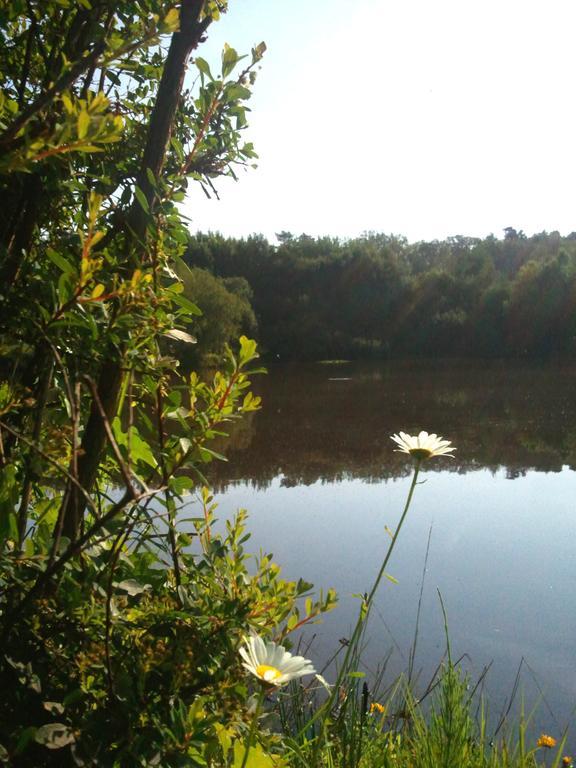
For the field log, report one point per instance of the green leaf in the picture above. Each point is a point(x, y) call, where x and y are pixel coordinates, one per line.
point(186, 304)
point(391, 578)
point(180, 484)
point(202, 65)
point(170, 22)
point(140, 450)
point(229, 60)
point(60, 262)
point(83, 124)
point(292, 621)
point(25, 737)
point(237, 91)
point(141, 197)
point(207, 454)
point(176, 145)
point(151, 178)
point(9, 492)
point(64, 288)
point(257, 758)
point(68, 104)
point(247, 349)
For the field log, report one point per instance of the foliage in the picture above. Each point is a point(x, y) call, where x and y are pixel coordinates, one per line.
point(119, 626)
point(380, 296)
point(226, 313)
point(124, 666)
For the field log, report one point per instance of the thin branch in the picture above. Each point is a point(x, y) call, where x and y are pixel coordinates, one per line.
point(51, 461)
point(124, 469)
point(27, 59)
point(116, 549)
point(27, 488)
point(73, 549)
point(167, 497)
point(47, 97)
point(91, 59)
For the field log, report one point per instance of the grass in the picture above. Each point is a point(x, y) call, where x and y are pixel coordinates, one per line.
point(402, 732)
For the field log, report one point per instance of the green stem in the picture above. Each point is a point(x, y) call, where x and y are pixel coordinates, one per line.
point(394, 538)
point(364, 612)
point(253, 726)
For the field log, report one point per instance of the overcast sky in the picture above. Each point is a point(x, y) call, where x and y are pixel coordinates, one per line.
point(423, 118)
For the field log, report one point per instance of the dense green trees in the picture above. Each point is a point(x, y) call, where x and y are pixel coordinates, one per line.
point(381, 296)
point(226, 313)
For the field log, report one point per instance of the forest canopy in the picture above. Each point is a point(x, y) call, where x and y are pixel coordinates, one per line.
point(380, 296)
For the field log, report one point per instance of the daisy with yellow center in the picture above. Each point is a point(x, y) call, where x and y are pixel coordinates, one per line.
point(271, 663)
point(423, 446)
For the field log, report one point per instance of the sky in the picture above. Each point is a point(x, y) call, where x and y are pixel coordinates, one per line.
point(421, 118)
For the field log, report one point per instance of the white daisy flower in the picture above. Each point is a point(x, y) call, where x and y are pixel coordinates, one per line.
point(424, 446)
point(272, 663)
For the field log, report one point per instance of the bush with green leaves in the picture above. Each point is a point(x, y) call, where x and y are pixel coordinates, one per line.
point(120, 623)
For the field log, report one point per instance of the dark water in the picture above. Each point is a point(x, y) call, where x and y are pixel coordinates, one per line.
point(317, 471)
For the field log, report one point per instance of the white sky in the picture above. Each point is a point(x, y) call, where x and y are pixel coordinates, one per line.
point(423, 118)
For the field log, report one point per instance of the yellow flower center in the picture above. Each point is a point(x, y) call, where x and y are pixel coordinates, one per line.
point(268, 674)
point(420, 453)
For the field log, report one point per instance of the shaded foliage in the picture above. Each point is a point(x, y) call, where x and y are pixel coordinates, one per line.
point(119, 621)
point(380, 296)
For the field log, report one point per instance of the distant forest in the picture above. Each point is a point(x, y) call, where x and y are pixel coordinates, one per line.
point(378, 296)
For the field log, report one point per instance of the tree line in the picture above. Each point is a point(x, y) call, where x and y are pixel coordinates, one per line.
point(379, 296)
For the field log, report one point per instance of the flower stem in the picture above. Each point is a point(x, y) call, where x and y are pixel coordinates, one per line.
point(365, 610)
point(394, 538)
point(253, 725)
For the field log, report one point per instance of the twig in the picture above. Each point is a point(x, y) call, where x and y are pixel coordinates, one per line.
point(124, 469)
point(167, 497)
point(73, 549)
point(48, 95)
point(116, 549)
point(52, 461)
point(27, 487)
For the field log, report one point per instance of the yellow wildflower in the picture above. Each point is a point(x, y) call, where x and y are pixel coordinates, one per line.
point(546, 741)
point(567, 761)
point(376, 707)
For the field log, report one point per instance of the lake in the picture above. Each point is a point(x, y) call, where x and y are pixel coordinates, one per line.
point(318, 473)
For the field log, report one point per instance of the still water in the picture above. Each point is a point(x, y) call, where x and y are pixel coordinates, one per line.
point(318, 473)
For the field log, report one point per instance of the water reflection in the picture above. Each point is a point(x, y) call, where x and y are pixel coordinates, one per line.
point(333, 422)
point(317, 470)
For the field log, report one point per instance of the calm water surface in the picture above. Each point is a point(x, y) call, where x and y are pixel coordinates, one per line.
point(317, 471)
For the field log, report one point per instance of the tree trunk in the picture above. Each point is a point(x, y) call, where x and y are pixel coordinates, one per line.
point(159, 132)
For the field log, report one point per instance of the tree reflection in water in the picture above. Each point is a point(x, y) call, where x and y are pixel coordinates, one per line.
point(332, 422)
